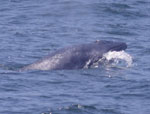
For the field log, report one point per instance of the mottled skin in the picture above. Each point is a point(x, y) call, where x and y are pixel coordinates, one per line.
point(76, 57)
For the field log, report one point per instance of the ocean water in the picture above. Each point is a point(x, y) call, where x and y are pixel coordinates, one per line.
point(30, 29)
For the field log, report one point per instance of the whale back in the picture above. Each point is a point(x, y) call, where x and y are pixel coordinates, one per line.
point(75, 57)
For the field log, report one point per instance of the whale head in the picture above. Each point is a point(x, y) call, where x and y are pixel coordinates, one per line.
point(98, 48)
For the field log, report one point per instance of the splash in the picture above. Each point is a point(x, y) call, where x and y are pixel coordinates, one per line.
point(117, 56)
point(112, 59)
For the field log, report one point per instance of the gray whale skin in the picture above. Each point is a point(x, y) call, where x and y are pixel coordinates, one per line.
point(75, 57)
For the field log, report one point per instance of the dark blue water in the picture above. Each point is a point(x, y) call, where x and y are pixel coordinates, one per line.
point(30, 29)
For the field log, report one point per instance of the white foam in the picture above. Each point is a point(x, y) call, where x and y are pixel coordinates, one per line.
point(119, 55)
point(112, 58)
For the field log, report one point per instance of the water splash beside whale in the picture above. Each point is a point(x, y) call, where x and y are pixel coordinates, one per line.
point(113, 59)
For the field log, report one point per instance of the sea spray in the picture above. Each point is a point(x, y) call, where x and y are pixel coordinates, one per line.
point(118, 55)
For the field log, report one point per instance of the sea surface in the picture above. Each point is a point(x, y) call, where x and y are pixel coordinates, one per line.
point(31, 29)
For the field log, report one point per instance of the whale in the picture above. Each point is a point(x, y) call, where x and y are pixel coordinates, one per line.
point(76, 56)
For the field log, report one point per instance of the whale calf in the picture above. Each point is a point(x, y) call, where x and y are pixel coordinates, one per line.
point(76, 56)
